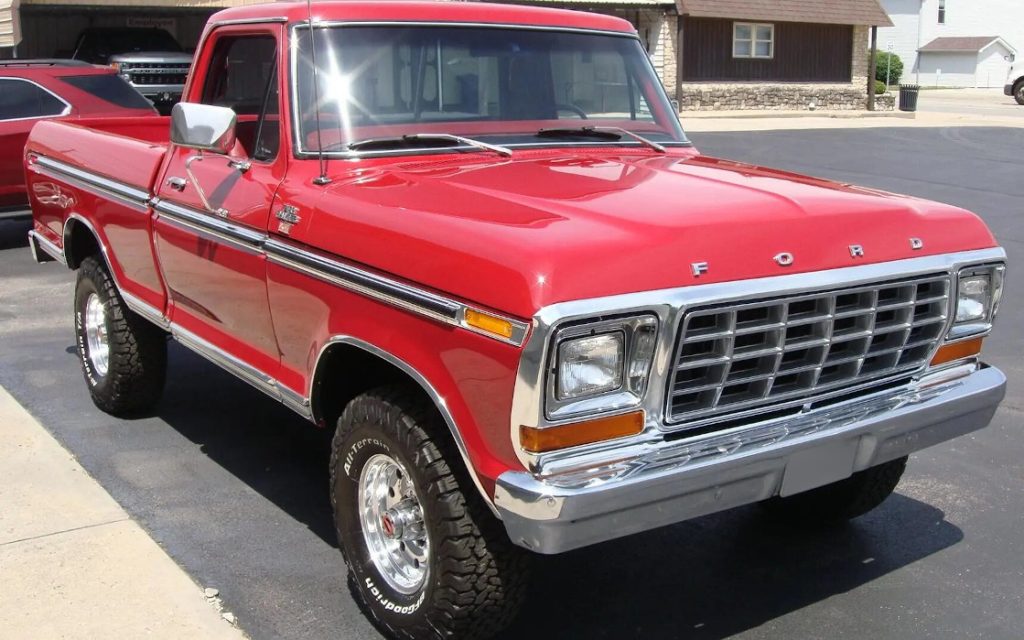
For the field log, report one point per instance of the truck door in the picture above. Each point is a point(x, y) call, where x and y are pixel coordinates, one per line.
point(212, 210)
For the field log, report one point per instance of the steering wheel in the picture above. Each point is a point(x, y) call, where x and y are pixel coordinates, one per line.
point(571, 107)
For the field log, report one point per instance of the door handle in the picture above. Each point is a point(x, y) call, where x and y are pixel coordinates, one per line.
point(176, 183)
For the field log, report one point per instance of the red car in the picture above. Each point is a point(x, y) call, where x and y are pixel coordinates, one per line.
point(474, 241)
point(33, 90)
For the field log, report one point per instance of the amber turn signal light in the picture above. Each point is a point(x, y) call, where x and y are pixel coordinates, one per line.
point(537, 440)
point(957, 351)
point(488, 323)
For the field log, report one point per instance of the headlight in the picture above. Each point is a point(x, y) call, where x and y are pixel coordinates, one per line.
point(587, 366)
point(601, 366)
point(978, 291)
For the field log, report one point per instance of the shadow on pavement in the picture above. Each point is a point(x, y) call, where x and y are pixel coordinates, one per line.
point(14, 233)
point(706, 578)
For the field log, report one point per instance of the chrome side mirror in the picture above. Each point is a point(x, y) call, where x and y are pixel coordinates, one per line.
point(203, 127)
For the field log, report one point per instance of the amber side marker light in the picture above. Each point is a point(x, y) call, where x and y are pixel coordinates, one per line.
point(957, 351)
point(537, 440)
point(488, 323)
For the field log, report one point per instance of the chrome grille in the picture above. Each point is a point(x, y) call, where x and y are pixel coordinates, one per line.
point(753, 356)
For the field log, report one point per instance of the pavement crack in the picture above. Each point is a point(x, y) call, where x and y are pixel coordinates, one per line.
point(57, 533)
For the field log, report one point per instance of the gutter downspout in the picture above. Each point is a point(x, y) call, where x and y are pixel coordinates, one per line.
point(917, 49)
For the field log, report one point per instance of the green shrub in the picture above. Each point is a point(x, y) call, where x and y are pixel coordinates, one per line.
point(879, 87)
point(895, 70)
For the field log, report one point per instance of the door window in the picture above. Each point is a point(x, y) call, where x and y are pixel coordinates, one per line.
point(21, 99)
point(243, 77)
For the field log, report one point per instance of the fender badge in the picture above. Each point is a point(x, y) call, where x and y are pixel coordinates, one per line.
point(856, 251)
point(289, 213)
point(699, 268)
point(784, 259)
point(916, 243)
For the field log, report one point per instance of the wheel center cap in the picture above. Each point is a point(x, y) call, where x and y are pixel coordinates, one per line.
point(391, 525)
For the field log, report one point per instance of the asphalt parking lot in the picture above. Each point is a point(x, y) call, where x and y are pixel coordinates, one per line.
point(234, 486)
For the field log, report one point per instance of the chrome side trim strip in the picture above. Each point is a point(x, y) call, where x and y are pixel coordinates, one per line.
point(291, 256)
point(38, 242)
point(385, 289)
point(202, 222)
point(127, 194)
point(369, 284)
point(242, 370)
point(421, 380)
point(670, 306)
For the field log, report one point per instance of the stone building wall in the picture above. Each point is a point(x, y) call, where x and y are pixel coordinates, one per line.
point(661, 29)
point(783, 96)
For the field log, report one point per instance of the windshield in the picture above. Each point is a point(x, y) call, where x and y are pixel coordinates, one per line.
point(497, 84)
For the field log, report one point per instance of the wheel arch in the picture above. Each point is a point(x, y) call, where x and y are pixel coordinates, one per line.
point(81, 240)
point(352, 366)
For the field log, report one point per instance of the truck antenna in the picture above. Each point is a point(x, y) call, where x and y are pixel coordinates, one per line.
point(322, 178)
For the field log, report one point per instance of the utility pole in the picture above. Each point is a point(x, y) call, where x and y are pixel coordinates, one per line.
point(888, 64)
point(873, 65)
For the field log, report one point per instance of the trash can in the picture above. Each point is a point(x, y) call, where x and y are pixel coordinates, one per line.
point(908, 97)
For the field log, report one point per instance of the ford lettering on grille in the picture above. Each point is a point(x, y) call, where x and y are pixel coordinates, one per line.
point(744, 358)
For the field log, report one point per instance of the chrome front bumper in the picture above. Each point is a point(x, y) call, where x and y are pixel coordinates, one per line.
point(680, 479)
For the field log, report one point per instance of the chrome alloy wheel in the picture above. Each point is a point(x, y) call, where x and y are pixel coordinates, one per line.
point(392, 524)
point(96, 335)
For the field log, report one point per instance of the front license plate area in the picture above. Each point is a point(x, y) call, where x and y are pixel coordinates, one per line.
point(815, 467)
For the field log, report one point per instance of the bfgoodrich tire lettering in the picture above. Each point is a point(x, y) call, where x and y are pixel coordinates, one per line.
point(476, 578)
point(131, 377)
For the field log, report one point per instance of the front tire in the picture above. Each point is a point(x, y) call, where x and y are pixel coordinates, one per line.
point(124, 357)
point(1018, 92)
point(843, 500)
point(425, 556)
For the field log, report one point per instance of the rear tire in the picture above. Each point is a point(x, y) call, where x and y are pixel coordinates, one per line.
point(1018, 92)
point(843, 500)
point(425, 556)
point(124, 357)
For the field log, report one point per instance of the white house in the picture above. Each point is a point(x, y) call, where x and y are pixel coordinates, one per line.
point(954, 43)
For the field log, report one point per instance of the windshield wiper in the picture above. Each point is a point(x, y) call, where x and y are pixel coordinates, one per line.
point(415, 139)
point(608, 133)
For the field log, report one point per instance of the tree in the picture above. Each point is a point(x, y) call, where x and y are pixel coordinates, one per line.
point(895, 70)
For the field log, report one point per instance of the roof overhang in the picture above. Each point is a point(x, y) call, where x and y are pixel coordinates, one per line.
point(10, 23)
point(965, 45)
point(852, 12)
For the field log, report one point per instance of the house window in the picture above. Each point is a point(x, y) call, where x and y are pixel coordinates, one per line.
point(750, 40)
point(942, 11)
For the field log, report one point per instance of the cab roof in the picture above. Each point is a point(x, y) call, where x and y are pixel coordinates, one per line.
point(441, 11)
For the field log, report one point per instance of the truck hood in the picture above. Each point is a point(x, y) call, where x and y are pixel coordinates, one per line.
point(550, 226)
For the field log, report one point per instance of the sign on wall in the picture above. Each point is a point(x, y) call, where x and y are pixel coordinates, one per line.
point(166, 23)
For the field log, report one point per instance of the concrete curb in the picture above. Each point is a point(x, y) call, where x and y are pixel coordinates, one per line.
point(744, 115)
point(74, 564)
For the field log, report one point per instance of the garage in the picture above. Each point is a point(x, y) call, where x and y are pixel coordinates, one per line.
point(48, 29)
point(980, 62)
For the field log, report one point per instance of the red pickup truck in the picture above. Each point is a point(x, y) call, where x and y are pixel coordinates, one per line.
point(474, 241)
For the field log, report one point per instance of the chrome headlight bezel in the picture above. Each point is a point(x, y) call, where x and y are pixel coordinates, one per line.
point(976, 325)
point(639, 341)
